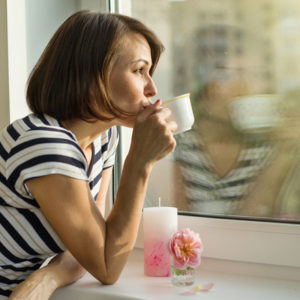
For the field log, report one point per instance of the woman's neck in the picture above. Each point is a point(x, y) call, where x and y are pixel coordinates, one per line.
point(86, 132)
point(214, 131)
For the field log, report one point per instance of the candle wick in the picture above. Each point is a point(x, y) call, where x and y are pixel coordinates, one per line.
point(159, 201)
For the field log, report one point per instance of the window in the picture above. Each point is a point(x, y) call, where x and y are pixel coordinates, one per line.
point(247, 238)
point(228, 54)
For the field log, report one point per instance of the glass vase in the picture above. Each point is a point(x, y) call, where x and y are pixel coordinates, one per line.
point(182, 277)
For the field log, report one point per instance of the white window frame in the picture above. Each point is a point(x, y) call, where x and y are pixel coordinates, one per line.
point(246, 241)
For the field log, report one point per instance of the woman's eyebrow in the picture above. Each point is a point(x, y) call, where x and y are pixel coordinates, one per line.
point(140, 60)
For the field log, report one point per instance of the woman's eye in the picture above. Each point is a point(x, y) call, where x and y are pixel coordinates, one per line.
point(139, 70)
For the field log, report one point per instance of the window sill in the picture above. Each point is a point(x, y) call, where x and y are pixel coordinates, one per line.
point(232, 280)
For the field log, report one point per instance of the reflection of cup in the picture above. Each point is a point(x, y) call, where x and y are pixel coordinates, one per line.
point(255, 113)
point(182, 112)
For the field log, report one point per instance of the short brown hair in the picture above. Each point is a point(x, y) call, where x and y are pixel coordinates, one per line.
point(71, 78)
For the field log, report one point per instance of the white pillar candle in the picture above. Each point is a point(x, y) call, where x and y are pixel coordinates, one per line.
point(159, 223)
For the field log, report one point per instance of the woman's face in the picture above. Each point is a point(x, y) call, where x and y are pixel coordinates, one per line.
point(131, 86)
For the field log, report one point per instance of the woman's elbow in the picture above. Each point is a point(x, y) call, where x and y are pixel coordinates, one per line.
point(109, 279)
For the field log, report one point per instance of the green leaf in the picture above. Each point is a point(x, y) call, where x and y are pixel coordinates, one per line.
point(178, 272)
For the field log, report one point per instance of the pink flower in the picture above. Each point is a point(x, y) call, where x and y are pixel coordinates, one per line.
point(186, 247)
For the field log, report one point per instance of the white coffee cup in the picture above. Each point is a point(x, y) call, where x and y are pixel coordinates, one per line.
point(255, 113)
point(182, 112)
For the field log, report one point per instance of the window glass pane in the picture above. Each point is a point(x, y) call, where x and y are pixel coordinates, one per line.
point(239, 60)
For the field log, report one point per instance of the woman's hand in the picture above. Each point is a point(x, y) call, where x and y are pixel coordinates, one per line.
point(38, 286)
point(41, 284)
point(152, 137)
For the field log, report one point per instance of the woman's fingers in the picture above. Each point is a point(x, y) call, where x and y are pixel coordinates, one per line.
point(148, 110)
point(172, 126)
point(153, 133)
point(157, 113)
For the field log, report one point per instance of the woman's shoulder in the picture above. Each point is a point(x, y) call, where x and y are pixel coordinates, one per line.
point(38, 133)
point(33, 126)
point(46, 126)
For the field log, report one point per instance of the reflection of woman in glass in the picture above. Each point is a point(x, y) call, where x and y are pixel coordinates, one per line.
point(223, 171)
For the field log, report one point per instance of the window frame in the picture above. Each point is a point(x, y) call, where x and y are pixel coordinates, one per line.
point(252, 241)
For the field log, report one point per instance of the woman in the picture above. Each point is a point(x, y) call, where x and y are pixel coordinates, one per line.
point(56, 163)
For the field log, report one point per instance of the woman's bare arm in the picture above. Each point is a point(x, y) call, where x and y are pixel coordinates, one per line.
point(102, 195)
point(63, 269)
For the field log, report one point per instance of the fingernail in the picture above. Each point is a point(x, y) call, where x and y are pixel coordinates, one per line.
point(157, 101)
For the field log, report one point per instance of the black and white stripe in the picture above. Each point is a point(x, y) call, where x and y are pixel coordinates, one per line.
point(32, 147)
point(205, 191)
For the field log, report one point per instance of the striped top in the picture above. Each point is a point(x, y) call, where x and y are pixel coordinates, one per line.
point(205, 191)
point(32, 147)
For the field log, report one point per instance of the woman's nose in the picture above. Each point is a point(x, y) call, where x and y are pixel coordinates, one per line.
point(150, 88)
